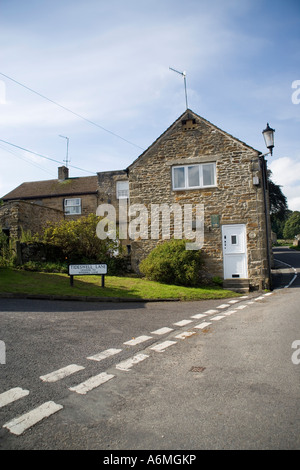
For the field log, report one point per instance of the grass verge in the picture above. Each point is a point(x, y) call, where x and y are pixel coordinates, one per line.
point(35, 283)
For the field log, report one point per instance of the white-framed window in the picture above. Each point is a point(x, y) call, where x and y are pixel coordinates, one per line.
point(72, 206)
point(122, 189)
point(201, 175)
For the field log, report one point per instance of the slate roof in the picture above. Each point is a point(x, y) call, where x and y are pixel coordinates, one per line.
point(54, 188)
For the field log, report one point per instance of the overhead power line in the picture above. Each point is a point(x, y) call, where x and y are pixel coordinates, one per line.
point(70, 111)
point(44, 156)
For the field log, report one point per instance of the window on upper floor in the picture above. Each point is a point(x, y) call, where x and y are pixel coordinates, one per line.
point(122, 189)
point(194, 176)
point(72, 206)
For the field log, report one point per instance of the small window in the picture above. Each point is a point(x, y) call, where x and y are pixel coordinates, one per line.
point(72, 206)
point(233, 240)
point(122, 189)
point(194, 176)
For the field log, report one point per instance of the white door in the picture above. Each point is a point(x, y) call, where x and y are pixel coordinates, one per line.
point(234, 251)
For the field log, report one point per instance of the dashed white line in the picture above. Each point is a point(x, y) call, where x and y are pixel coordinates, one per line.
point(240, 307)
point(185, 334)
point(162, 331)
point(12, 395)
point(223, 306)
point(230, 312)
point(126, 365)
point(182, 322)
point(162, 346)
point(210, 312)
point(91, 383)
point(104, 354)
point(138, 340)
point(199, 315)
point(204, 324)
point(218, 317)
point(61, 373)
point(19, 425)
point(233, 301)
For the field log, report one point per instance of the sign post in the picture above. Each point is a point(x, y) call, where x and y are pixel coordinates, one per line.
point(87, 270)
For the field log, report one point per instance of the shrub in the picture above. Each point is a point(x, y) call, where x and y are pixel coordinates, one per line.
point(171, 263)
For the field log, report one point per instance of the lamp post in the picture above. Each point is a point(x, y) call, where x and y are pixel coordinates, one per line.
point(268, 134)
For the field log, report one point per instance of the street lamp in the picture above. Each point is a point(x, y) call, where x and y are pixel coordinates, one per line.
point(268, 134)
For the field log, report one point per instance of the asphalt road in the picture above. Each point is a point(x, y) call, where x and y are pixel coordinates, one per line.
point(230, 381)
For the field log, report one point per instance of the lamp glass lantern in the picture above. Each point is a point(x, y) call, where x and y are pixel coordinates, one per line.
point(268, 134)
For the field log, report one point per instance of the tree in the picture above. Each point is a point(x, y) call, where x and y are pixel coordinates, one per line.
point(278, 207)
point(292, 225)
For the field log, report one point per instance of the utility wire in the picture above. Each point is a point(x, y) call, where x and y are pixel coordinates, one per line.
point(70, 111)
point(43, 156)
point(25, 160)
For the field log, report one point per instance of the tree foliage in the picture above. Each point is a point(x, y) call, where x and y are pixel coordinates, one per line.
point(278, 207)
point(78, 240)
point(292, 225)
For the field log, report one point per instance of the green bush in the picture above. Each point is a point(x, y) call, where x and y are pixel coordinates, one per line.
point(171, 263)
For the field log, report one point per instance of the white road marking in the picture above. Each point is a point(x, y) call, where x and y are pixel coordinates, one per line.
point(182, 322)
point(199, 315)
point(126, 365)
point(244, 297)
point(268, 293)
point(230, 312)
point(61, 373)
point(233, 301)
point(104, 354)
point(218, 317)
point(223, 306)
point(185, 334)
point(204, 324)
point(240, 307)
point(260, 298)
point(91, 383)
point(19, 425)
point(138, 340)
point(162, 331)
point(12, 395)
point(210, 312)
point(162, 346)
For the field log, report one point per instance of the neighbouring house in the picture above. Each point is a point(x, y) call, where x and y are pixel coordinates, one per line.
point(192, 163)
point(31, 205)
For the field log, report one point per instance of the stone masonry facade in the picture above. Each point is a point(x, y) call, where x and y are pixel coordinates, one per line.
point(234, 200)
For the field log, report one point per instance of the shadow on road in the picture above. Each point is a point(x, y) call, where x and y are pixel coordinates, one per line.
point(285, 260)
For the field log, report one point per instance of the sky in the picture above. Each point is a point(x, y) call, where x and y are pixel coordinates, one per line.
point(96, 75)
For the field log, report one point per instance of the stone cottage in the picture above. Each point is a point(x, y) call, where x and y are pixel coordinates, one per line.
point(194, 162)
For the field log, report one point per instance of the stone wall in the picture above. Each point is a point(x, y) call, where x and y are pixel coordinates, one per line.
point(235, 199)
point(16, 216)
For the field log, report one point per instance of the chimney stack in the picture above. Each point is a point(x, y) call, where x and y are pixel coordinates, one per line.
point(63, 173)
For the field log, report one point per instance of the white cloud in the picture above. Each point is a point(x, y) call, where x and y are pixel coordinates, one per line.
point(286, 173)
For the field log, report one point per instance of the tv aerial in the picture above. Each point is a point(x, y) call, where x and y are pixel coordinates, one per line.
point(184, 79)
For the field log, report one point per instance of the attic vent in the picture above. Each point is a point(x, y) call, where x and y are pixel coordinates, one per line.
point(188, 124)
